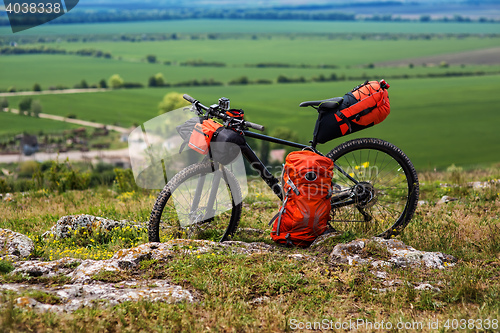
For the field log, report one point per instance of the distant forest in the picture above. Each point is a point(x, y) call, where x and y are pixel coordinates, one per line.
point(130, 12)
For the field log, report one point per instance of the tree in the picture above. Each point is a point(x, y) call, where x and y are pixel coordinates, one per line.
point(171, 101)
point(37, 87)
point(151, 58)
point(84, 84)
point(25, 105)
point(152, 81)
point(36, 108)
point(4, 104)
point(156, 80)
point(102, 84)
point(160, 80)
point(240, 80)
point(115, 81)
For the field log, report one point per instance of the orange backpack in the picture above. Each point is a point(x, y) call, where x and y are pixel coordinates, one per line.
point(307, 188)
point(364, 106)
point(202, 135)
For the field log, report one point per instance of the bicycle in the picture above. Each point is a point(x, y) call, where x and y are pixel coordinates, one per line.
point(375, 185)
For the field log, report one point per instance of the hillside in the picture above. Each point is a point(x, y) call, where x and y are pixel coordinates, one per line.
point(252, 285)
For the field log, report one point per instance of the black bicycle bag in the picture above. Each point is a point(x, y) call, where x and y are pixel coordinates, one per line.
point(364, 106)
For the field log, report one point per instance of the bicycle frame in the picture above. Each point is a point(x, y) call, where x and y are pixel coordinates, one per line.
point(337, 201)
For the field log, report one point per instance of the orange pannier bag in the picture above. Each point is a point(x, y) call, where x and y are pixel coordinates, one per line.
point(202, 135)
point(364, 106)
point(307, 188)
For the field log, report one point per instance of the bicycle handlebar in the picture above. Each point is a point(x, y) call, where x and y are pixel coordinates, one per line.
point(254, 126)
point(221, 114)
point(189, 98)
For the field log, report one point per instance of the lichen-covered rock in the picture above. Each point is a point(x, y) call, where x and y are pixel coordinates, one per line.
point(67, 225)
point(88, 268)
point(130, 258)
point(75, 296)
point(82, 271)
point(47, 269)
point(399, 255)
point(15, 244)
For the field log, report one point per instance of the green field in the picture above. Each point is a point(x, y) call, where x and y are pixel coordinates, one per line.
point(351, 58)
point(23, 71)
point(259, 26)
point(14, 124)
point(437, 122)
point(310, 51)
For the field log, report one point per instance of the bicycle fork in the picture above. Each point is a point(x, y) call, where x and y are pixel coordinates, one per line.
point(210, 210)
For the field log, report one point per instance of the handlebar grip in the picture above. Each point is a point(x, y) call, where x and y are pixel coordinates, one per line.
point(254, 126)
point(189, 98)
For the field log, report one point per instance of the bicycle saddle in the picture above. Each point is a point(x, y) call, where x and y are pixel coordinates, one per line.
point(331, 103)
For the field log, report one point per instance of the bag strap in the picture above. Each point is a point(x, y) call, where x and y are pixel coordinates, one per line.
point(344, 119)
point(288, 241)
point(280, 213)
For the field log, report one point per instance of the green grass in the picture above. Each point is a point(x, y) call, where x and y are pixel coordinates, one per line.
point(260, 26)
point(227, 283)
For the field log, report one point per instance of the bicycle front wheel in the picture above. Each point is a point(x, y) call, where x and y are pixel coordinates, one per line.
point(201, 201)
point(375, 188)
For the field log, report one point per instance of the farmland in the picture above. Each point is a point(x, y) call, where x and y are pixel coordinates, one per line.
point(432, 101)
point(258, 26)
point(434, 130)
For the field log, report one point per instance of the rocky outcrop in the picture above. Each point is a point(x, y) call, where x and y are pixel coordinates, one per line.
point(379, 252)
point(67, 225)
point(83, 289)
point(14, 245)
point(85, 281)
point(71, 297)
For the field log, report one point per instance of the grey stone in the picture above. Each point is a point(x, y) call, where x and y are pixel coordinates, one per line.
point(73, 297)
point(67, 225)
point(15, 244)
point(446, 199)
point(400, 255)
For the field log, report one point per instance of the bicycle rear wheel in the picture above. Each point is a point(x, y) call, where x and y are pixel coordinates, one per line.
point(375, 190)
point(201, 201)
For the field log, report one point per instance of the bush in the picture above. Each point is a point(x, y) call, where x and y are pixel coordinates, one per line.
point(25, 105)
point(4, 104)
point(36, 108)
point(63, 177)
point(37, 87)
point(172, 101)
point(240, 80)
point(27, 169)
point(6, 266)
point(125, 180)
point(102, 84)
point(115, 81)
point(151, 58)
point(156, 80)
point(4, 186)
point(129, 85)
